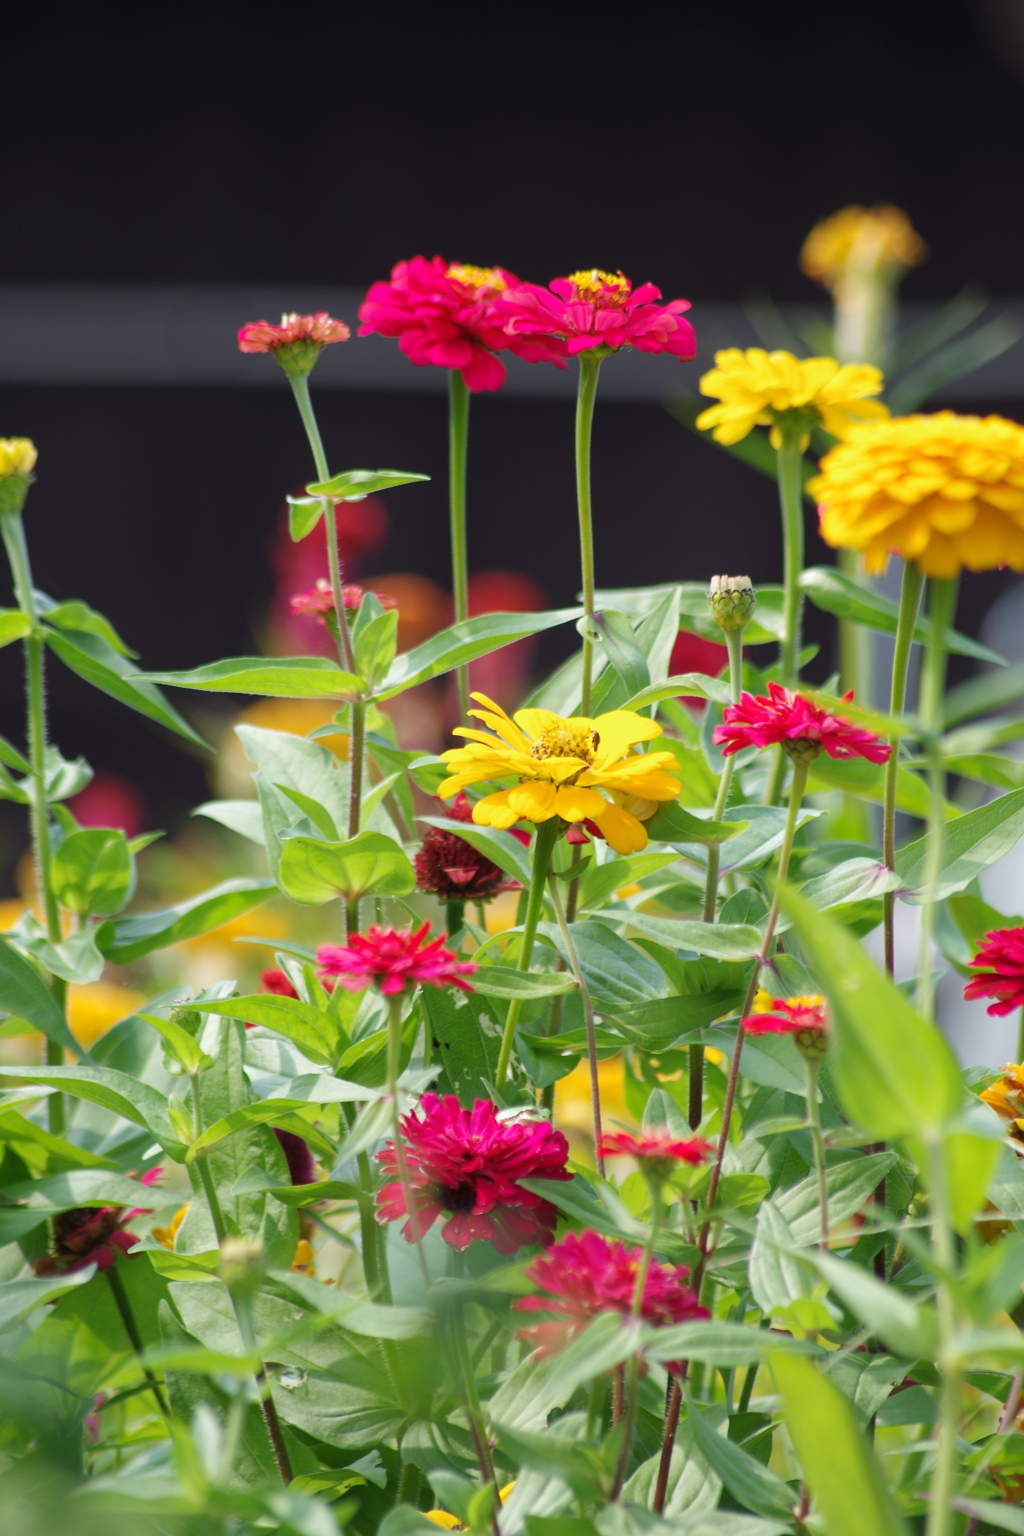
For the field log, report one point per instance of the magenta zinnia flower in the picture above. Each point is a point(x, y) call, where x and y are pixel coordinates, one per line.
point(442, 314)
point(319, 599)
point(467, 1162)
point(657, 1153)
point(393, 957)
point(800, 726)
point(297, 342)
point(999, 966)
point(589, 1274)
point(599, 309)
point(805, 1018)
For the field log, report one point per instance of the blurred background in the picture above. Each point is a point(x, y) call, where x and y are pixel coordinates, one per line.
point(171, 176)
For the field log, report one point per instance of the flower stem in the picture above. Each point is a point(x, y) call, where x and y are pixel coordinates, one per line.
point(939, 1520)
point(13, 531)
point(393, 1063)
point(789, 466)
point(675, 1402)
point(543, 842)
point(131, 1328)
point(588, 1015)
point(734, 641)
point(636, 1312)
point(458, 445)
point(814, 1125)
point(910, 597)
point(796, 795)
point(590, 368)
point(942, 607)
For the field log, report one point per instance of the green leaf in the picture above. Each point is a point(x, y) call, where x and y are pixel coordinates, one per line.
point(602, 880)
point(304, 512)
point(117, 1091)
point(356, 484)
point(82, 1186)
point(849, 1185)
point(78, 615)
point(896, 1073)
point(952, 362)
point(687, 685)
point(92, 871)
point(124, 939)
point(617, 973)
point(718, 1343)
point(318, 815)
point(315, 1033)
point(746, 1478)
point(986, 768)
point(14, 625)
point(856, 776)
point(286, 677)
point(242, 816)
point(91, 658)
point(776, 1276)
point(12, 757)
point(853, 880)
point(287, 761)
point(467, 1033)
point(268, 1112)
point(375, 643)
point(969, 844)
point(722, 941)
point(500, 847)
point(465, 642)
point(504, 981)
point(902, 1325)
point(834, 592)
point(20, 1297)
point(180, 1044)
point(837, 1461)
point(25, 995)
point(75, 958)
point(663, 1023)
point(984, 694)
point(627, 672)
point(1004, 1517)
point(371, 864)
point(672, 823)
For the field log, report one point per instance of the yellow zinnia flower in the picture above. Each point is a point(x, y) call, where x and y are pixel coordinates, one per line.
point(561, 767)
point(945, 491)
point(882, 236)
point(17, 456)
point(759, 389)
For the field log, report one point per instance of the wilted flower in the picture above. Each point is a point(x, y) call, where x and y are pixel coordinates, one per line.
point(84, 1236)
point(465, 1163)
point(443, 314)
point(588, 1274)
point(657, 1152)
point(561, 765)
point(800, 726)
point(453, 869)
point(761, 389)
point(805, 1018)
point(945, 491)
point(394, 958)
point(882, 237)
point(599, 309)
point(999, 971)
point(297, 342)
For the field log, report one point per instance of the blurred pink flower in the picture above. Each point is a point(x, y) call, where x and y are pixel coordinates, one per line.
point(109, 801)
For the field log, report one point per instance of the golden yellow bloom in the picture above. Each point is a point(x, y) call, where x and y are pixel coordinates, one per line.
point(17, 456)
point(562, 767)
point(304, 1260)
point(882, 236)
point(945, 491)
point(450, 1523)
point(1006, 1095)
point(166, 1235)
point(758, 389)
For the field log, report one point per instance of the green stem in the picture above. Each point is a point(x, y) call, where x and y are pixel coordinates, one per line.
point(910, 597)
point(814, 1125)
point(544, 839)
point(675, 1402)
point(588, 1015)
point(393, 1063)
point(942, 609)
point(357, 754)
point(796, 794)
point(789, 466)
point(458, 445)
point(590, 368)
point(124, 1307)
point(636, 1312)
point(939, 1520)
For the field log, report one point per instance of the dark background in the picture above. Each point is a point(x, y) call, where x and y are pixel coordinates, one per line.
point(691, 145)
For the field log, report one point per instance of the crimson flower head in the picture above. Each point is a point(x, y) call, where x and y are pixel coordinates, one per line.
point(466, 1163)
point(443, 314)
point(318, 600)
point(93, 1236)
point(599, 309)
point(588, 1274)
point(657, 1152)
point(802, 728)
point(453, 869)
point(393, 958)
point(999, 971)
point(276, 982)
point(297, 342)
point(805, 1018)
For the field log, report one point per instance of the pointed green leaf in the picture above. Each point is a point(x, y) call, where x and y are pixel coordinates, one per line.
point(20, 1297)
point(371, 864)
point(14, 625)
point(92, 871)
point(25, 995)
point(834, 592)
point(98, 663)
point(500, 847)
point(504, 981)
point(746, 1478)
point(355, 484)
point(465, 642)
point(314, 1032)
point(78, 615)
point(286, 677)
point(969, 844)
point(117, 1091)
point(124, 939)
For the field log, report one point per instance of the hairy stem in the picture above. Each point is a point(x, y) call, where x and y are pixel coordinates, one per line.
point(910, 597)
point(942, 608)
point(458, 444)
point(543, 842)
point(590, 368)
point(131, 1328)
point(789, 465)
point(588, 1015)
point(814, 1125)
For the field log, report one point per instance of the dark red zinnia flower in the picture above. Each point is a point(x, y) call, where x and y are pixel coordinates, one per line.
point(466, 1163)
point(93, 1236)
point(999, 968)
point(277, 982)
point(393, 958)
point(800, 726)
point(453, 869)
point(301, 1166)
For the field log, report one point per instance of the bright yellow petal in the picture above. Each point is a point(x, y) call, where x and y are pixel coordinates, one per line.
point(619, 730)
point(534, 721)
point(573, 803)
point(533, 800)
point(495, 811)
point(621, 830)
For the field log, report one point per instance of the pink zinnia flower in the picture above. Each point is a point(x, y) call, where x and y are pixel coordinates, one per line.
point(589, 1274)
point(297, 342)
point(805, 1018)
point(657, 1153)
point(393, 957)
point(443, 315)
point(802, 728)
point(467, 1162)
point(1000, 971)
point(599, 309)
point(319, 600)
point(84, 1236)
point(276, 982)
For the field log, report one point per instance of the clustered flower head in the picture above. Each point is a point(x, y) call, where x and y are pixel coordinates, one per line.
point(444, 314)
point(93, 1236)
point(318, 600)
point(578, 769)
point(588, 1274)
point(804, 1017)
point(999, 971)
point(594, 309)
point(466, 1164)
point(452, 869)
point(944, 491)
point(802, 728)
point(879, 238)
point(657, 1152)
point(394, 958)
point(763, 389)
point(1006, 1097)
point(297, 342)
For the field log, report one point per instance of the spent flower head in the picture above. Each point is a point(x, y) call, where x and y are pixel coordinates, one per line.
point(732, 601)
point(297, 342)
point(801, 727)
point(766, 389)
point(598, 311)
point(394, 959)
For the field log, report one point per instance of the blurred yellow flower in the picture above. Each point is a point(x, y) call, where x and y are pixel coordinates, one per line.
point(17, 456)
point(166, 1235)
point(879, 237)
point(573, 1109)
point(97, 1006)
point(758, 389)
point(945, 491)
point(303, 1264)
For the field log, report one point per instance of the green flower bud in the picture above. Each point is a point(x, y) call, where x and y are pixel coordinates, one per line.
point(802, 751)
point(732, 601)
point(241, 1265)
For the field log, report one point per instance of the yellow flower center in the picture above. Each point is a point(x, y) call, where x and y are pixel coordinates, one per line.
point(476, 277)
point(566, 740)
point(595, 284)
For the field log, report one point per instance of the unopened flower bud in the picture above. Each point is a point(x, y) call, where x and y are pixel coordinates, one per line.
point(188, 1019)
point(17, 461)
point(732, 601)
point(802, 751)
point(241, 1264)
